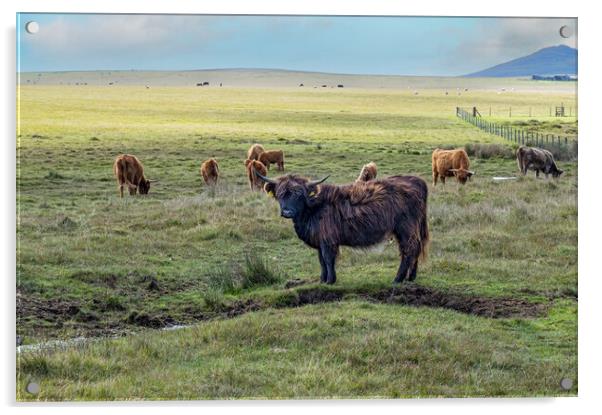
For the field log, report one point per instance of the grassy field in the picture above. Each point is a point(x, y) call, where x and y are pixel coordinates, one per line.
point(493, 311)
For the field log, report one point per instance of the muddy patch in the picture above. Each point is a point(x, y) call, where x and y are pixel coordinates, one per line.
point(150, 321)
point(295, 282)
point(58, 312)
point(492, 307)
point(242, 307)
point(419, 296)
point(48, 310)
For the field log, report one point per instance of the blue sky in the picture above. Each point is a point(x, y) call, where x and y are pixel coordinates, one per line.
point(363, 45)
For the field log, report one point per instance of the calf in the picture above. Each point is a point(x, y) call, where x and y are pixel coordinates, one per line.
point(210, 171)
point(129, 172)
point(448, 163)
point(538, 159)
point(255, 183)
point(368, 172)
point(255, 151)
point(272, 156)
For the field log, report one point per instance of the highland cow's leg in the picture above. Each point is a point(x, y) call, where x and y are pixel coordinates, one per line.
point(402, 271)
point(120, 190)
point(402, 239)
point(324, 271)
point(414, 270)
point(329, 255)
point(537, 173)
point(435, 179)
point(409, 251)
point(442, 179)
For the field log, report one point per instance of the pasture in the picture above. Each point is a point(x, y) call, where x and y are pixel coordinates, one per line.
point(493, 311)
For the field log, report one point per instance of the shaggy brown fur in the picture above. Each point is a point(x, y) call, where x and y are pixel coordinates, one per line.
point(210, 171)
point(361, 214)
point(272, 156)
point(368, 172)
point(255, 183)
point(255, 151)
point(538, 159)
point(448, 163)
point(129, 172)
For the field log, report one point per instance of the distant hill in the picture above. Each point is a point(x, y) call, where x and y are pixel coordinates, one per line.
point(553, 60)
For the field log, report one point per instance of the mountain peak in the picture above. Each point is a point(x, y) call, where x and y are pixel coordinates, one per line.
point(560, 59)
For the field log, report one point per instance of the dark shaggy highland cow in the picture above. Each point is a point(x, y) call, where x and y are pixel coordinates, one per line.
point(538, 159)
point(358, 215)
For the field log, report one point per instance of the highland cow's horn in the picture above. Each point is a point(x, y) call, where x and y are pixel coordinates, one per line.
point(265, 179)
point(315, 182)
point(471, 172)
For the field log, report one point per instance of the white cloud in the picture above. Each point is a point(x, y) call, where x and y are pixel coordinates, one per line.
point(501, 39)
point(122, 34)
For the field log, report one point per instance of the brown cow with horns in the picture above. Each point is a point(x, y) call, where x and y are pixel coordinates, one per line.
point(361, 214)
point(449, 163)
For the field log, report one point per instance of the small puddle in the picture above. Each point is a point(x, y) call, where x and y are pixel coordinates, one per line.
point(80, 341)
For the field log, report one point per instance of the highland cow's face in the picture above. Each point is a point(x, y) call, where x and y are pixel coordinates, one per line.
point(557, 173)
point(144, 187)
point(292, 200)
point(462, 175)
point(294, 194)
point(291, 196)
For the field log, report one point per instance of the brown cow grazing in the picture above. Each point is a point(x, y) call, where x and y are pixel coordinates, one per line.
point(210, 171)
point(360, 214)
point(129, 172)
point(368, 172)
point(254, 152)
point(272, 156)
point(255, 183)
point(538, 159)
point(448, 163)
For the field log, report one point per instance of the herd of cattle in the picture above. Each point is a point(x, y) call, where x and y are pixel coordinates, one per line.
point(360, 214)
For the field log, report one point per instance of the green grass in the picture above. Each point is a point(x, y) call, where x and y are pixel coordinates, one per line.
point(344, 350)
point(92, 264)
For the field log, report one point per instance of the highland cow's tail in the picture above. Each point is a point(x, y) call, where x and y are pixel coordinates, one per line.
point(424, 228)
point(520, 159)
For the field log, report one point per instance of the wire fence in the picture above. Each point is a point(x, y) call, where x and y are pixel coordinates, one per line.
point(557, 144)
point(529, 111)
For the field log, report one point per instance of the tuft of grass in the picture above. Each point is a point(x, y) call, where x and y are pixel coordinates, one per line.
point(223, 278)
point(214, 299)
point(257, 271)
